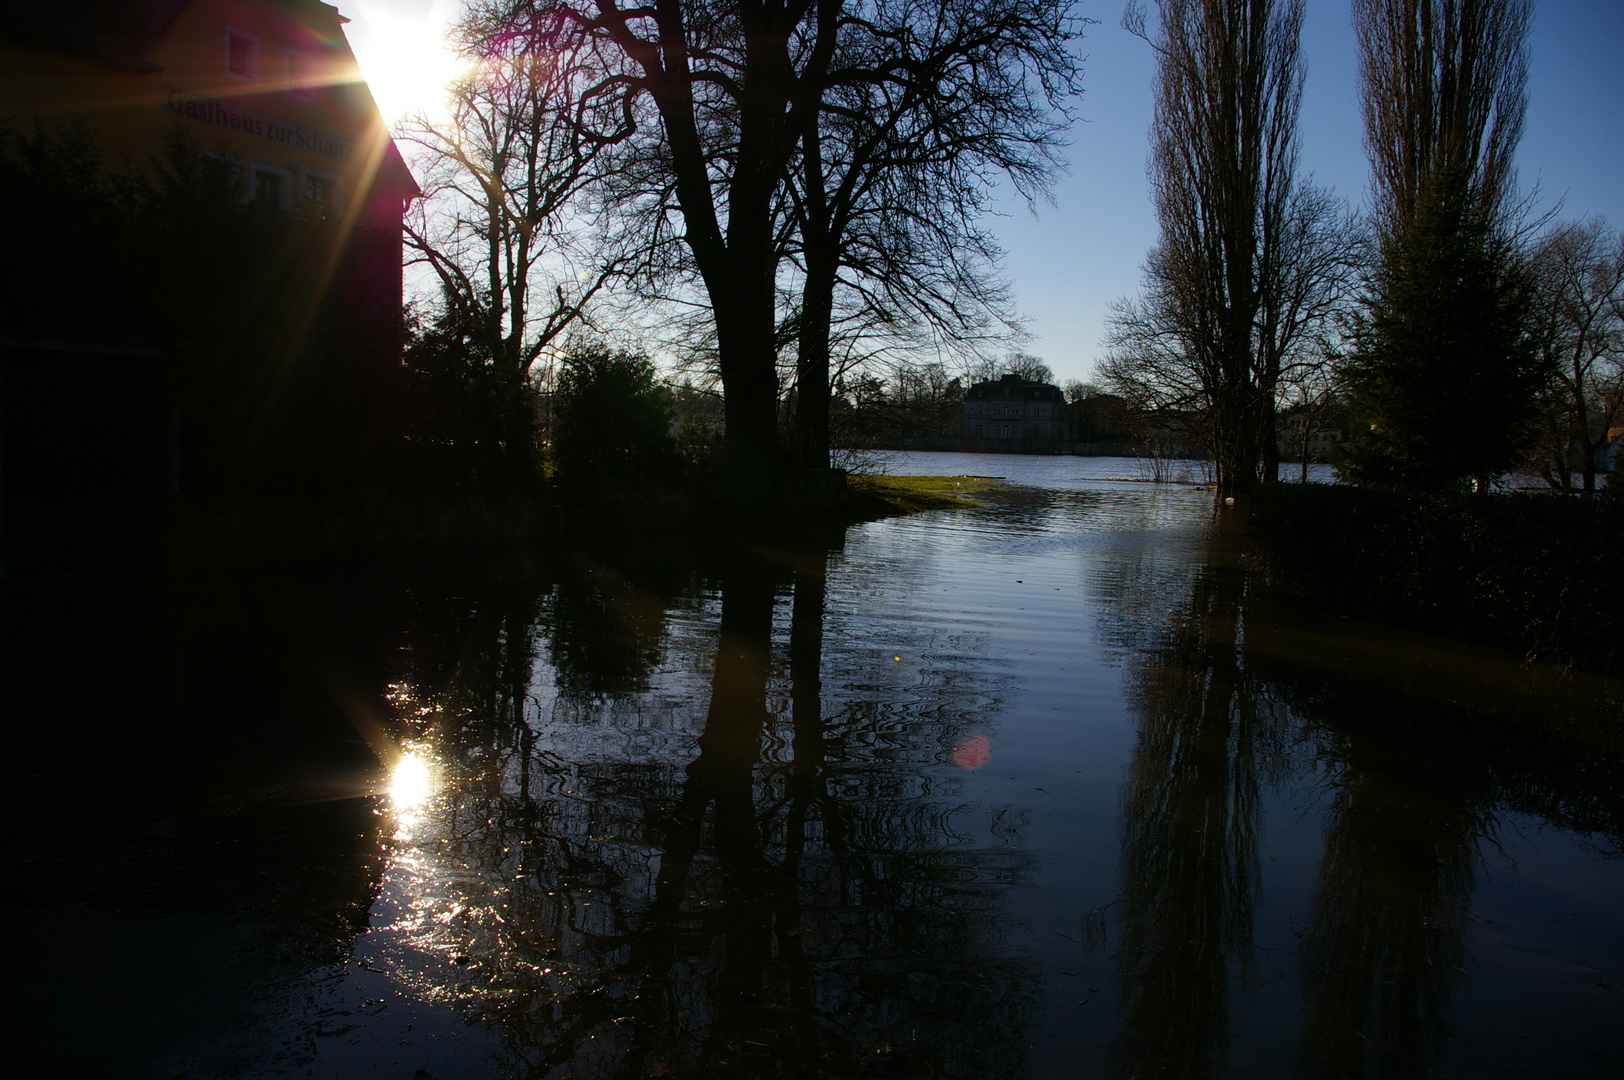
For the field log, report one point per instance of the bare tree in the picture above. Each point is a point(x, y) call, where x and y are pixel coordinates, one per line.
point(1579, 325)
point(1250, 261)
point(923, 108)
point(502, 225)
point(1027, 366)
point(1445, 90)
point(704, 96)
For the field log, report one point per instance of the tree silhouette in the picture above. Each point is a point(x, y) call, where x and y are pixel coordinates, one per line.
point(1443, 372)
point(1250, 262)
point(924, 108)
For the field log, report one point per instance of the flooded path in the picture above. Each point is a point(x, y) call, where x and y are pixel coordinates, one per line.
point(1036, 790)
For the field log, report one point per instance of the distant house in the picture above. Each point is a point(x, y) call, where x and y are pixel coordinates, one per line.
point(1324, 442)
point(1014, 415)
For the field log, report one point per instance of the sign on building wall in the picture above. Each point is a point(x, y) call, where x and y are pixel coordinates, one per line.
point(219, 114)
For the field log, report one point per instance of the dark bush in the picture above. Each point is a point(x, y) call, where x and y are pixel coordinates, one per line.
point(611, 419)
point(466, 419)
point(1538, 573)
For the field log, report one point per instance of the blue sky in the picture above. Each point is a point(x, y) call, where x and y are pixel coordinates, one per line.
point(1070, 260)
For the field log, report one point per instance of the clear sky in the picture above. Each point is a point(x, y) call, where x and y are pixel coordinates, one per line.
point(1071, 259)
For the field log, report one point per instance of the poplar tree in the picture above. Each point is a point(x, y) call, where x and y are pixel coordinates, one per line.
point(1444, 374)
point(1250, 261)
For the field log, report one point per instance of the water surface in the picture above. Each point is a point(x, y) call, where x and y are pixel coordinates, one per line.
point(1034, 790)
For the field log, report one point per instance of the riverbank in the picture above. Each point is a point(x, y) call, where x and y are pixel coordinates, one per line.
point(883, 495)
point(98, 536)
point(1538, 573)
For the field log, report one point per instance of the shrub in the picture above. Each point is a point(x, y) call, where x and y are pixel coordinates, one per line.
point(612, 419)
point(1533, 572)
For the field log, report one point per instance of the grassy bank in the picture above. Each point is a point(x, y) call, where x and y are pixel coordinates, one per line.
point(912, 494)
point(1541, 574)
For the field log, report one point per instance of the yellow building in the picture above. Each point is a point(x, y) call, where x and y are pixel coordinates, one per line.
point(270, 83)
point(111, 377)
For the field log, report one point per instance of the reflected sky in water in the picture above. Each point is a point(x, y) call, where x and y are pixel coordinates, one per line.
point(1040, 789)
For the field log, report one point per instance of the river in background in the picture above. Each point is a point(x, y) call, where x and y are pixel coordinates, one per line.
point(1032, 790)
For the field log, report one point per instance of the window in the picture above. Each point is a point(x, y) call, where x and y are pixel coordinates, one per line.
point(242, 55)
point(301, 75)
point(319, 192)
point(269, 188)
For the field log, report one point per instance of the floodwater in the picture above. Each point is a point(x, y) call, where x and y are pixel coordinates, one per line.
point(1036, 790)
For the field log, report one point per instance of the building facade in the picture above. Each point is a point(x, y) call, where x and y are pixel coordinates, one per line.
point(268, 89)
point(1014, 415)
point(250, 333)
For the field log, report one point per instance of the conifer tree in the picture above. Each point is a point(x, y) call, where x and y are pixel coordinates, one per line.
point(1443, 374)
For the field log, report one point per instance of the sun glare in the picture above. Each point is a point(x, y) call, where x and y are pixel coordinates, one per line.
point(404, 54)
point(409, 782)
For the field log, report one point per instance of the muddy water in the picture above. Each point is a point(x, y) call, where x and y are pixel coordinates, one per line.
point(1034, 790)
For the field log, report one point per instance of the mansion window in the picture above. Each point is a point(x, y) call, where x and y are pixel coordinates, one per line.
point(319, 192)
point(269, 189)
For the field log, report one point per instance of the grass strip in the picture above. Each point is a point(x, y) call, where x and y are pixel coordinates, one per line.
point(912, 494)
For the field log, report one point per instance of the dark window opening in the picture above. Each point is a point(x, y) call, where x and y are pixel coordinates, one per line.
point(240, 50)
point(268, 190)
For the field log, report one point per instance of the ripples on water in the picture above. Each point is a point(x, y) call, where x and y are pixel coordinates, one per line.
point(1030, 790)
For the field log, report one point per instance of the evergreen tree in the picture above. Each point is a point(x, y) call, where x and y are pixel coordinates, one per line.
point(1444, 375)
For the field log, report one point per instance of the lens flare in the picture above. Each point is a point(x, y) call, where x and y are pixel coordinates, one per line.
point(973, 752)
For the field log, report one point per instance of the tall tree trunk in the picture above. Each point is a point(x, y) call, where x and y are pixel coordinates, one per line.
point(1270, 439)
point(812, 372)
point(817, 309)
point(746, 355)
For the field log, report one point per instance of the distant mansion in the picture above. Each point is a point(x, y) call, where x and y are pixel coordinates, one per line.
point(1014, 414)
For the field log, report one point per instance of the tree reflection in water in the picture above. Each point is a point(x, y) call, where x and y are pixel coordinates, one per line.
point(1384, 942)
point(803, 892)
point(1231, 696)
point(1190, 816)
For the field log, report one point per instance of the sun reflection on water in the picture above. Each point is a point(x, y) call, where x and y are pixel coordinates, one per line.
point(410, 781)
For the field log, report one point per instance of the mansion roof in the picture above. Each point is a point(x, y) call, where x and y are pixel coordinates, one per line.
point(1014, 386)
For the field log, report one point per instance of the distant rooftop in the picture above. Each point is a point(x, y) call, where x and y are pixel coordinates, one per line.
point(1012, 385)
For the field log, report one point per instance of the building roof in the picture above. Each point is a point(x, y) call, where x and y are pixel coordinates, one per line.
point(1009, 386)
point(125, 32)
point(122, 31)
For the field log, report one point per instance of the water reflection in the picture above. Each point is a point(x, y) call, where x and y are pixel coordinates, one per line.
point(1384, 948)
point(410, 781)
point(1190, 822)
point(1418, 747)
point(797, 810)
point(764, 888)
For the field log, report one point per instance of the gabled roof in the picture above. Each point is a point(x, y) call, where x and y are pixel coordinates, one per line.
point(122, 31)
